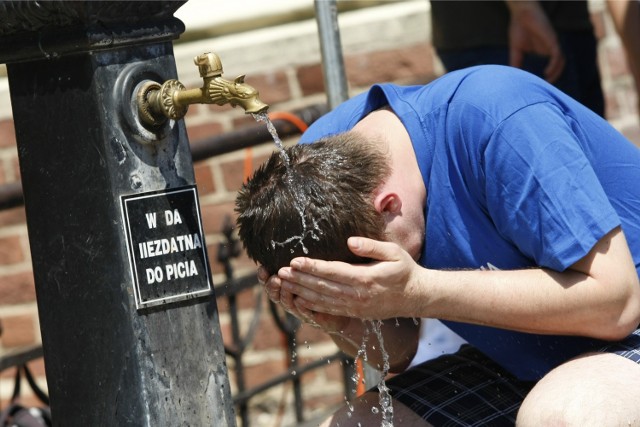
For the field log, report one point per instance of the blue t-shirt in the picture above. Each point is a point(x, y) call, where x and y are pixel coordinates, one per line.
point(517, 175)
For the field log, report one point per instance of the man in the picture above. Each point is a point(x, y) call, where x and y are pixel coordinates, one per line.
point(510, 212)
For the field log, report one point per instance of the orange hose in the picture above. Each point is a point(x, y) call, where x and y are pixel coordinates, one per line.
point(360, 387)
point(248, 164)
point(291, 118)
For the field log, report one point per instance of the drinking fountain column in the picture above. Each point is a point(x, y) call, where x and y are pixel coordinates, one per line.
point(127, 312)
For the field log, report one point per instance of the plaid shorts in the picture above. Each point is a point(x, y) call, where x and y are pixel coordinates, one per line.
point(469, 389)
point(629, 348)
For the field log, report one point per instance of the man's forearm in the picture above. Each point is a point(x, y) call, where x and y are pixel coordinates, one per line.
point(598, 297)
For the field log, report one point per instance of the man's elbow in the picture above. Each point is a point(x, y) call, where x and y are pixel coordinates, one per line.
point(628, 318)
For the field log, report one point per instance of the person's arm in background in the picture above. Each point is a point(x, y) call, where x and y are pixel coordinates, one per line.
point(531, 32)
point(626, 18)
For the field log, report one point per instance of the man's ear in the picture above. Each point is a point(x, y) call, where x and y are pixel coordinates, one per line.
point(388, 203)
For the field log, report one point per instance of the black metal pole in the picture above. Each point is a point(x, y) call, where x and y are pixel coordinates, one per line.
point(130, 329)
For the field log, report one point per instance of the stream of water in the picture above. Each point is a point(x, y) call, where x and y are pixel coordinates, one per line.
point(312, 230)
point(384, 398)
point(301, 201)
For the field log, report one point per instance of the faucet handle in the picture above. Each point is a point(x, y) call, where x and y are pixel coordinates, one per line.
point(209, 65)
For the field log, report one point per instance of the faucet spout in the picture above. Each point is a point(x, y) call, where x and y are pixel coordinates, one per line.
point(221, 91)
point(171, 100)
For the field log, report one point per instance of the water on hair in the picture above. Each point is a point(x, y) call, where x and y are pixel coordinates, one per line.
point(301, 201)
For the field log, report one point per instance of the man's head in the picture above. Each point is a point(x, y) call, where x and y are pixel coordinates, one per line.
point(330, 183)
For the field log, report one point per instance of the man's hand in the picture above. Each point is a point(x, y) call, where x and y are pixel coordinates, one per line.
point(531, 32)
point(288, 301)
point(381, 289)
point(401, 335)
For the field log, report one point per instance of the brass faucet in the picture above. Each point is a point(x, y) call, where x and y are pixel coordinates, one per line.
point(171, 100)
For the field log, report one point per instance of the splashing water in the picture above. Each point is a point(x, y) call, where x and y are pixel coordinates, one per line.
point(301, 201)
point(361, 355)
point(384, 399)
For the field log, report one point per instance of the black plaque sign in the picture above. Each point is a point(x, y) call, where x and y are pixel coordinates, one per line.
point(166, 246)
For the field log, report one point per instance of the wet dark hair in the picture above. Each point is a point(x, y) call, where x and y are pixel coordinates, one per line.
point(330, 184)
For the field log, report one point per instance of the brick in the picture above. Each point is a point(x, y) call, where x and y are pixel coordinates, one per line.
point(18, 331)
point(16, 169)
point(213, 216)
point(258, 160)
point(233, 174)
point(37, 367)
point(218, 268)
point(212, 252)
point(27, 397)
point(310, 79)
point(204, 179)
point(198, 132)
point(17, 288)
point(250, 300)
point(334, 371)
point(5, 172)
point(243, 121)
point(12, 216)
point(273, 86)
point(214, 110)
point(245, 301)
point(7, 134)
point(323, 402)
point(9, 170)
point(223, 308)
point(259, 374)
point(225, 330)
point(241, 263)
point(244, 262)
point(11, 250)
point(268, 336)
point(391, 65)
